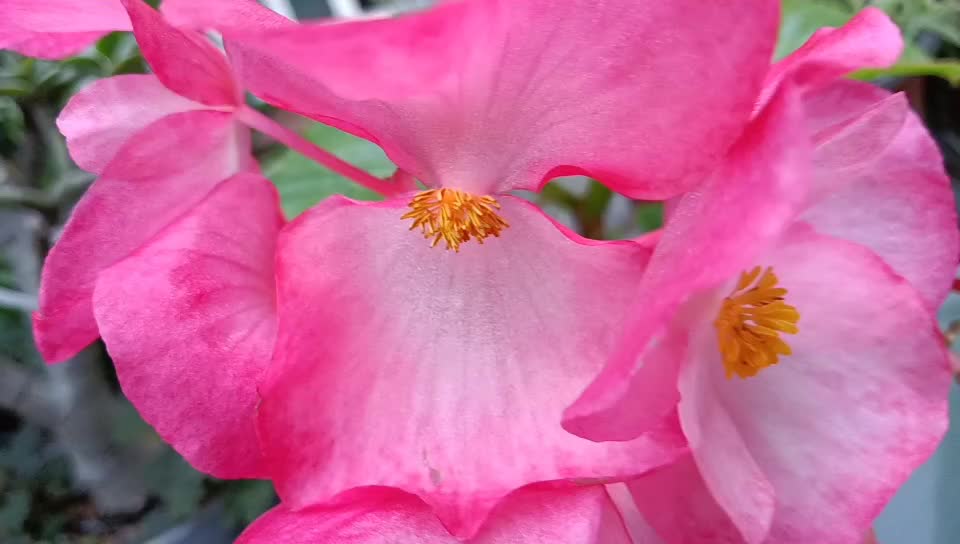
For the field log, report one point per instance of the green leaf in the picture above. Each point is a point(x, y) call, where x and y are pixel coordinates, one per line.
point(92, 64)
point(303, 183)
point(13, 86)
point(649, 216)
point(597, 199)
point(801, 18)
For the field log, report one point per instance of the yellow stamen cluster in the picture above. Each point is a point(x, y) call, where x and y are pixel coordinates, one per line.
point(750, 322)
point(455, 217)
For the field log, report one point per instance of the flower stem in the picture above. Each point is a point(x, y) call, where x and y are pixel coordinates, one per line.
point(258, 121)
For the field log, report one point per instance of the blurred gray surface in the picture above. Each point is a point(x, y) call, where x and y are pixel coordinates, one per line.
point(925, 509)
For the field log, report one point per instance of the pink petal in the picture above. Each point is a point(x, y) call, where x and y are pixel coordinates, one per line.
point(513, 94)
point(219, 14)
point(186, 62)
point(869, 40)
point(441, 373)
point(102, 117)
point(841, 103)
point(541, 515)
point(882, 184)
point(55, 29)
point(189, 320)
point(859, 134)
point(703, 244)
point(677, 503)
point(734, 479)
point(838, 426)
point(641, 532)
point(385, 516)
point(47, 46)
point(159, 174)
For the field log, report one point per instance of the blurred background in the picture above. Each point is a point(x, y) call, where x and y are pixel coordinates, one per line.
point(76, 462)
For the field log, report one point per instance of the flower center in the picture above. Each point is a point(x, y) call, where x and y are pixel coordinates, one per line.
point(455, 217)
point(750, 322)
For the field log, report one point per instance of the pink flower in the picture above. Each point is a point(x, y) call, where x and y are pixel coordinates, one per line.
point(443, 370)
point(534, 515)
point(797, 333)
point(160, 143)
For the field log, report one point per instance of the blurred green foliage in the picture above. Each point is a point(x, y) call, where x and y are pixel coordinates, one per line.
point(926, 26)
point(303, 183)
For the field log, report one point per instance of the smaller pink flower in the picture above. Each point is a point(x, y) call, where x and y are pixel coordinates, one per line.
point(173, 241)
point(797, 334)
point(160, 143)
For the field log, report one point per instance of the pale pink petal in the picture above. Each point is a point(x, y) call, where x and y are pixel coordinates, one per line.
point(735, 481)
point(859, 136)
point(442, 373)
point(541, 515)
point(159, 174)
point(385, 516)
point(641, 532)
point(677, 503)
point(869, 40)
point(54, 29)
point(47, 46)
point(512, 94)
point(102, 117)
point(841, 103)
point(379, 516)
point(185, 61)
point(880, 182)
point(189, 320)
point(220, 14)
point(838, 426)
point(764, 179)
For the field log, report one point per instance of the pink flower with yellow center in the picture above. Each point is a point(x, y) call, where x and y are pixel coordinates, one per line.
point(787, 314)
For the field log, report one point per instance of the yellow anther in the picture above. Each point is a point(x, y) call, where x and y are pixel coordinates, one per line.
point(750, 322)
point(455, 217)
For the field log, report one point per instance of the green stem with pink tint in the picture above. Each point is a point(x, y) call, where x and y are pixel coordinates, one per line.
point(388, 188)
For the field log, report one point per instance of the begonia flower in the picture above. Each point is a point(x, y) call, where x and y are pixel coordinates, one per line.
point(160, 143)
point(441, 366)
point(797, 334)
